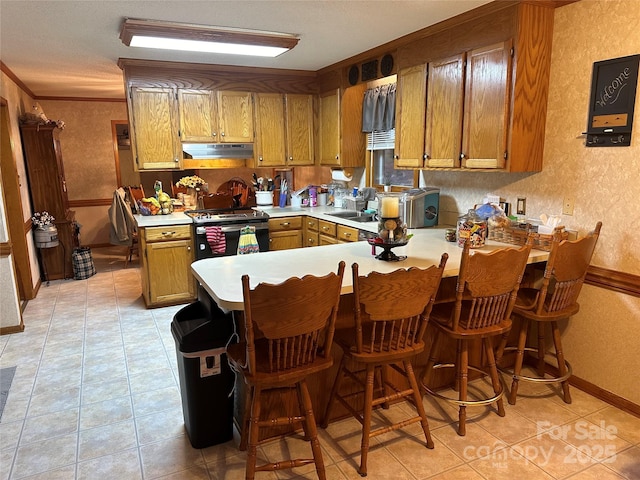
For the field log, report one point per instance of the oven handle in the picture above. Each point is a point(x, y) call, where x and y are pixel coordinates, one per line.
point(235, 228)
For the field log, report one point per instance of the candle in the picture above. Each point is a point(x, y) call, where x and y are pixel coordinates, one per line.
point(389, 207)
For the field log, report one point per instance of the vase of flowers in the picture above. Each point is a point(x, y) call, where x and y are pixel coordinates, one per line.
point(45, 234)
point(193, 185)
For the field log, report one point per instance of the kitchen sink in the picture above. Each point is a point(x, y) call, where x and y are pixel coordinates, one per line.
point(353, 215)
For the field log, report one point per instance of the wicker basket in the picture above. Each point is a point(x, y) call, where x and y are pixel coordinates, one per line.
point(518, 236)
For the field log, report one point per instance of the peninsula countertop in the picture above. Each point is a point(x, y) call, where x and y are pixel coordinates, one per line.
point(221, 276)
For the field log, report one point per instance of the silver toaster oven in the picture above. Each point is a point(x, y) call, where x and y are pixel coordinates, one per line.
point(421, 207)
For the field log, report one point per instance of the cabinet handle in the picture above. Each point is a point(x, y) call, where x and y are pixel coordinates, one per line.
point(168, 233)
point(176, 159)
point(397, 157)
point(290, 158)
point(325, 228)
point(285, 224)
point(222, 134)
point(425, 156)
point(214, 134)
point(188, 249)
point(462, 156)
point(347, 234)
point(337, 157)
point(259, 159)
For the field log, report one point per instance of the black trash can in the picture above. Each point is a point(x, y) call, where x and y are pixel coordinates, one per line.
point(201, 331)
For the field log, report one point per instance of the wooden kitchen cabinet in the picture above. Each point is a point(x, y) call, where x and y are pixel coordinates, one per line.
point(485, 105)
point(410, 116)
point(346, 234)
point(300, 114)
point(223, 116)
point(327, 232)
point(284, 130)
point(463, 122)
point(155, 140)
point(166, 257)
point(269, 148)
point(48, 192)
point(310, 232)
point(285, 233)
point(341, 141)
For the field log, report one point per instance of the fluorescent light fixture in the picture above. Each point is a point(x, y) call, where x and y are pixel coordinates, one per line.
point(203, 38)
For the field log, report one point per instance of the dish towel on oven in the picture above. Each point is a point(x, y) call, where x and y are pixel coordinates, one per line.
point(215, 239)
point(248, 242)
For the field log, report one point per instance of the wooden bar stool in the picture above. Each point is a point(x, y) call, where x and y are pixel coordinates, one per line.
point(555, 300)
point(289, 333)
point(391, 314)
point(485, 294)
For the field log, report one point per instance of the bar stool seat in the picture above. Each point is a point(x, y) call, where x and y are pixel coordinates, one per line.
point(485, 295)
point(391, 313)
point(289, 331)
point(554, 301)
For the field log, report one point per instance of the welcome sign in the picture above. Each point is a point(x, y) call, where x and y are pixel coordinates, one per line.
point(613, 93)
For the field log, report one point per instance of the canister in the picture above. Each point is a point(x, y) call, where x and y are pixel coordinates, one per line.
point(473, 227)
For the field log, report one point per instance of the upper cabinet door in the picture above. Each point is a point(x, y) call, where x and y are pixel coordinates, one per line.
point(445, 100)
point(235, 117)
point(269, 149)
point(198, 115)
point(155, 128)
point(299, 113)
point(330, 128)
point(410, 116)
point(486, 106)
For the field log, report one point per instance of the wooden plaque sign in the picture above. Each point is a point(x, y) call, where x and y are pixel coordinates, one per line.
point(611, 105)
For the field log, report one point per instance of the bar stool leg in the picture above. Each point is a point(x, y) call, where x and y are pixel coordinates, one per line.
point(384, 384)
point(311, 432)
point(522, 340)
point(254, 429)
point(541, 348)
point(244, 435)
point(366, 420)
point(463, 372)
point(433, 351)
point(562, 367)
point(332, 396)
point(493, 373)
point(417, 398)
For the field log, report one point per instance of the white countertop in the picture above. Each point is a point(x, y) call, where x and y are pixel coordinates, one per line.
point(176, 218)
point(221, 276)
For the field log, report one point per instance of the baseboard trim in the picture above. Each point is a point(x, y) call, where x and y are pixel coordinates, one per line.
point(599, 392)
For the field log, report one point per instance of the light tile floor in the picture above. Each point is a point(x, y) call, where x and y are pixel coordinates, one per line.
point(96, 396)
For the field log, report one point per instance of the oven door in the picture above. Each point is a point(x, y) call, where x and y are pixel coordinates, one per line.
point(231, 237)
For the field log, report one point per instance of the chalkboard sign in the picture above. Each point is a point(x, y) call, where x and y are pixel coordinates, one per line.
point(613, 93)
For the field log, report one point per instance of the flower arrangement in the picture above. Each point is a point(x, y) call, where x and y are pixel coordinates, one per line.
point(42, 219)
point(193, 181)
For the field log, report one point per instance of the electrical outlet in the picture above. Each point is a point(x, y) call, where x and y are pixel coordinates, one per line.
point(521, 206)
point(567, 206)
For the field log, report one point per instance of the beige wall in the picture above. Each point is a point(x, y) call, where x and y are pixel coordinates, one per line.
point(601, 340)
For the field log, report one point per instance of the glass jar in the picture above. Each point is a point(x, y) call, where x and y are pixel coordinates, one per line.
point(473, 227)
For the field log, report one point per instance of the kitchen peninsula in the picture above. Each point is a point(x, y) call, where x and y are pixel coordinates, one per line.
point(221, 276)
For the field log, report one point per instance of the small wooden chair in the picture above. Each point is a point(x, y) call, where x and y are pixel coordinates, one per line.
point(485, 295)
point(133, 193)
point(555, 300)
point(289, 332)
point(391, 314)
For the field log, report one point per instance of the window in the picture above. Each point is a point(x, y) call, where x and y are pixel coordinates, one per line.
point(380, 145)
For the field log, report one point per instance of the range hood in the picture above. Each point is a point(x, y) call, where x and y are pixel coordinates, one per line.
point(217, 151)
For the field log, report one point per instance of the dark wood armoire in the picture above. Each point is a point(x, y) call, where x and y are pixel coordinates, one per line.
point(48, 191)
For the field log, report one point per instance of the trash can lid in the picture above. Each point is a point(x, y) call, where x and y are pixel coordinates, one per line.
point(194, 329)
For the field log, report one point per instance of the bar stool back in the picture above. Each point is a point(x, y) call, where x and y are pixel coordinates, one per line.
point(289, 333)
point(485, 295)
point(555, 300)
point(391, 314)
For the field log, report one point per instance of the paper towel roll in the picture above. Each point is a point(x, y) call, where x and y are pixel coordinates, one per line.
point(341, 175)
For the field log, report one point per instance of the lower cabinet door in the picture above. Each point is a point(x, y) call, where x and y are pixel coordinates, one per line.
point(285, 240)
point(169, 272)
